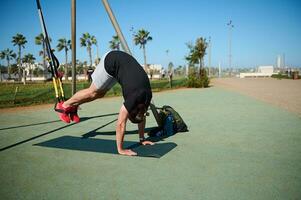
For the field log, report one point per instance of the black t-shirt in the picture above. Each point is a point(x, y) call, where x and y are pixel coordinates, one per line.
point(130, 75)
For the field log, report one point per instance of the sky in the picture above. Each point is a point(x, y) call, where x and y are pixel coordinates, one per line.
point(262, 29)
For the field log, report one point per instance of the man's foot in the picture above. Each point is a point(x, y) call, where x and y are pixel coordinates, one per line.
point(62, 112)
point(74, 116)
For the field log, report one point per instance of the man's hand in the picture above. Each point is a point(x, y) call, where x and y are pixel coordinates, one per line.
point(127, 152)
point(145, 142)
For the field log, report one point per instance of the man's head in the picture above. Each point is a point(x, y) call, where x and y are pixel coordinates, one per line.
point(137, 104)
point(137, 115)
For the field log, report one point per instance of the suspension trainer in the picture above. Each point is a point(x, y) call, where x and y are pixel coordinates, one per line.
point(52, 60)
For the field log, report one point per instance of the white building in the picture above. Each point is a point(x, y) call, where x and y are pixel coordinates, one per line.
point(266, 69)
point(157, 70)
point(262, 71)
point(27, 67)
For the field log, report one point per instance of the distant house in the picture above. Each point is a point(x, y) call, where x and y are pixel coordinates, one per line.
point(28, 67)
point(263, 71)
point(266, 69)
point(154, 71)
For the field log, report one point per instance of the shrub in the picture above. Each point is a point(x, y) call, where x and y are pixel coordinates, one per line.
point(280, 76)
point(198, 80)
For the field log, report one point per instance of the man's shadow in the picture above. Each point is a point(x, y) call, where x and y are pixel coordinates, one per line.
point(97, 145)
point(95, 132)
point(107, 146)
point(82, 119)
point(52, 131)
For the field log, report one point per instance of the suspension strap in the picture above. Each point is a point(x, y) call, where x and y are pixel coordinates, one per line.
point(52, 60)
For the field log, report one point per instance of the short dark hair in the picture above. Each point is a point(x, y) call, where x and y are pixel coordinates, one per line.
point(134, 114)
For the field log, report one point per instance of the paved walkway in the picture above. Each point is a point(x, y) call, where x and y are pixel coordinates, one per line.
point(237, 148)
point(285, 93)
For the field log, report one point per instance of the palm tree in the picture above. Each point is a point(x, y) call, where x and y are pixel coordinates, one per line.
point(2, 57)
point(8, 55)
point(39, 40)
point(20, 41)
point(197, 52)
point(29, 60)
point(115, 43)
point(86, 41)
point(170, 68)
point(94, 41)
point(141, 38)
point(66, 45)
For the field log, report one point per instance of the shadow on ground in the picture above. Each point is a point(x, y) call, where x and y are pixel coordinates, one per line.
point(82, 119)
point(94, 132)
point(54, 130)
point(107, 146)
point(86, 143)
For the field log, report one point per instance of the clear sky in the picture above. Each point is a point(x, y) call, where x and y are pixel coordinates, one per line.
point(262, 30)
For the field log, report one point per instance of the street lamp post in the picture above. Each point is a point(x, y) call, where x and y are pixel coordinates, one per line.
point(73, 44)
point(219, 70)
point(167, 52)
point(231, 26)
point(209, 64)
point(132, 30)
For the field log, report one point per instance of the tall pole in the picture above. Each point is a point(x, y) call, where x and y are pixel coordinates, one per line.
point(0, 71)
point(209, 64)
point(167, 58)
point(116, 27)
point(219, 70)
point(283, 58)
point(230, 25)
point(73, 44)
point(133, 42)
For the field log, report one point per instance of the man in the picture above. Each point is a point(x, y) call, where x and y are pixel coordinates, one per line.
point(116, 66)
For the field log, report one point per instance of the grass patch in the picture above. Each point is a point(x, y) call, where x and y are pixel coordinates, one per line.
point(284, 76)
point(17, 94)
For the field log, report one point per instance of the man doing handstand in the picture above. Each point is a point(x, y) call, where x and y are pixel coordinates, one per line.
point(116, 66)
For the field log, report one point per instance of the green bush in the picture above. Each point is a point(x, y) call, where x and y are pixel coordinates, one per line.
point(198, 80)
point(284, 76)
point(280, 76)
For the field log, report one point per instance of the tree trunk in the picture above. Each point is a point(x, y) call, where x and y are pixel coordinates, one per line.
point(8, 67)
point(90, 55)
point(201, 63)
point(202, 71)
point(24, 76)
point(144, 56)
point(66, 64)
point(31, 71)
point(44, 61)
point(19, 68)
point(97, 54)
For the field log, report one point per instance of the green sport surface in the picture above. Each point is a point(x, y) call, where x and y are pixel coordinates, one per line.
point(236, 148)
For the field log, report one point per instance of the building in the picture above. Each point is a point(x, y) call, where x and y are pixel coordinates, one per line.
point(155, 71)
point(262, 71)
point(266, 69)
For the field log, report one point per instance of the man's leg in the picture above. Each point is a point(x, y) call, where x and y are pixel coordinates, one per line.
point(102, 82)
point(69, 108)
point(83, 96)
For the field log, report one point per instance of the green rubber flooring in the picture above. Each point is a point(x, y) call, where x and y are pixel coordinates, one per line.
point(236, 148)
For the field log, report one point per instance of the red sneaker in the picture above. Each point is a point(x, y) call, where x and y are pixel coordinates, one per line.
point(63, 112)
point(73, 114)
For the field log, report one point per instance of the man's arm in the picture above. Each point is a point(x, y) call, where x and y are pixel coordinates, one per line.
point(141, 127)
point(120, 130)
